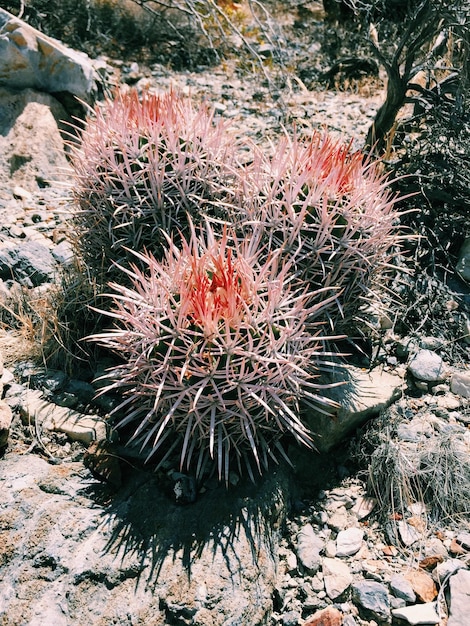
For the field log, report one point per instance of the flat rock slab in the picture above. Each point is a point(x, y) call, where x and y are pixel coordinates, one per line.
point(74, 552)
point(77, 426)
point(425, 614)
point(363, 395)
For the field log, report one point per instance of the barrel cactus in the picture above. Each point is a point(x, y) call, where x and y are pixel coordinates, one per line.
point(227, 281)
point(332, 210)
point(144, 163)
point(216, 353)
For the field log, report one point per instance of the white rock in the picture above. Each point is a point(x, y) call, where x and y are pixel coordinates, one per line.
point(364, 506)
point(29, 59)
point(309, 546)
point(449, 402)
point(446, 569)
point(337, 577)
point(460, 384)
point(291, 562)
point(330, 549)
point(363, 395)
point(417, 508)
point(418, 614)
point(349, 541)
point(408, 534)
point(459, 613)
point(23, 194)
point(7, 378)
point(427, 366)
point(463, 538)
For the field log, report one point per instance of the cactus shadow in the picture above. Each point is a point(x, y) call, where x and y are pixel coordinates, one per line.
point(227, 527)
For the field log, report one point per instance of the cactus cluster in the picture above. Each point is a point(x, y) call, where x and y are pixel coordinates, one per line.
point(227, 280)
point(332, 211)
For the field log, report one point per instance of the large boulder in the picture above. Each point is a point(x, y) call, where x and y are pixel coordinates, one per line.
point(32, 151)
point(29, 59)
point(71, 551)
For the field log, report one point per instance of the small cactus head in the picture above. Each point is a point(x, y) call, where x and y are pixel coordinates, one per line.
point(143, 165)
point(331, 210)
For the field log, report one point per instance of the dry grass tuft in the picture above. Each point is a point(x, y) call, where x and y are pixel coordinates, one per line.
point(434, 471)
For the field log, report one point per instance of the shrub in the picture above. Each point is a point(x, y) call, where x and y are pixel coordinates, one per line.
point(432, 470)
point(142, 167)
point(216, 352)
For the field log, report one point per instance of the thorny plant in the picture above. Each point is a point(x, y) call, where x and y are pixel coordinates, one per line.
point(144, 165)
point(217, 354)
point(223, 331)
point(332, 211)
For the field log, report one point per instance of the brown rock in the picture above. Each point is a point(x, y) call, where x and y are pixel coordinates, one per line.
point(326, 617)
point(417, 522)
point(102, 460)
point(422, 584)
point(456, 548)
point(430, 562)
point(389, 551)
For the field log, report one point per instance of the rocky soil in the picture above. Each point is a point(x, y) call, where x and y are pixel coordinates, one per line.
point(373, 531)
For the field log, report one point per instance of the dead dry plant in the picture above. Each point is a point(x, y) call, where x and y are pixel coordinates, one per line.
point(436, 474)
point(23, 324)
point(70, 320)
point(47, 324)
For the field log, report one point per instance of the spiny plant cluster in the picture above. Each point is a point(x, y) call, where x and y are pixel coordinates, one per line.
point(228, 279)
point(217, 352)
